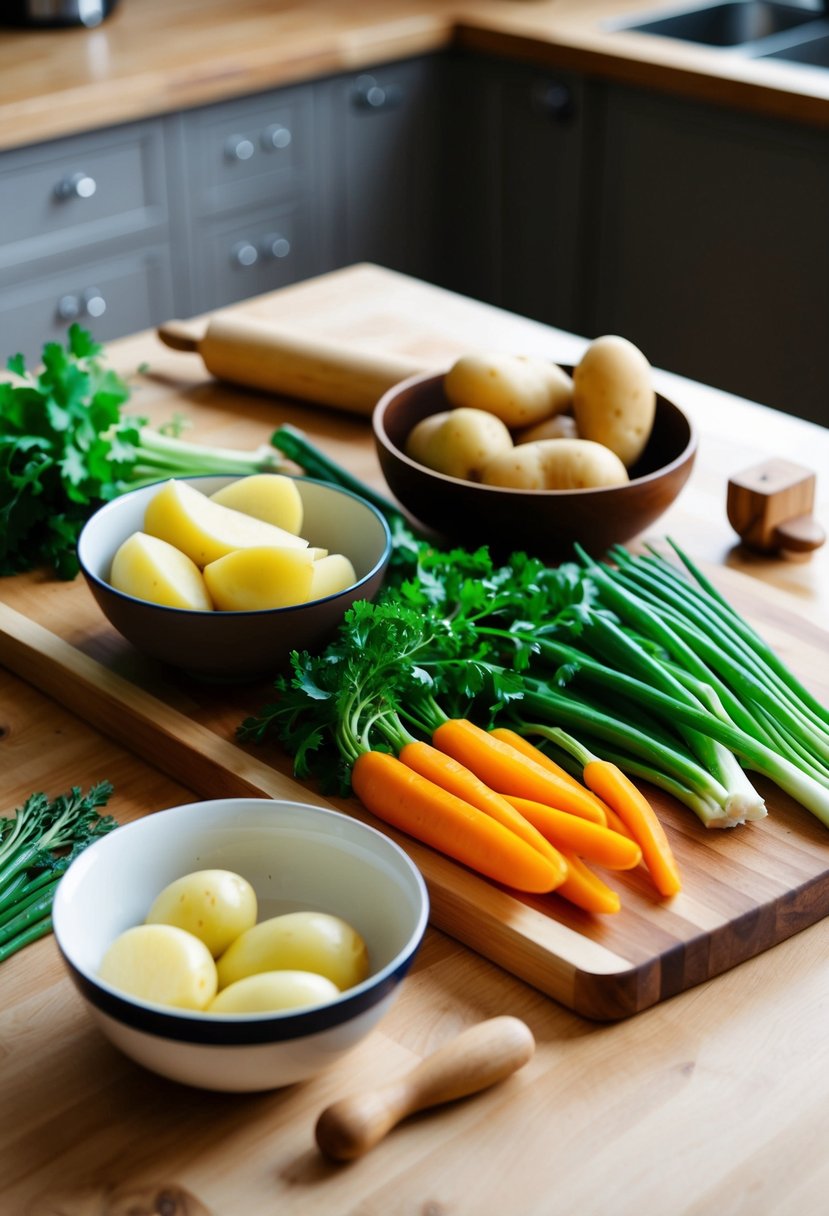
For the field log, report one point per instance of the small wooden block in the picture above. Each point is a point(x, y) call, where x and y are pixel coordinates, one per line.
point(770, 507)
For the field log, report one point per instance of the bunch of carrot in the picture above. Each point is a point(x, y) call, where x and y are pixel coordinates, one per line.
point(494, 802)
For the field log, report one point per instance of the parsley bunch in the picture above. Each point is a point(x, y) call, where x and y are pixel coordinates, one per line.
point(65, 449)
point(62, 452)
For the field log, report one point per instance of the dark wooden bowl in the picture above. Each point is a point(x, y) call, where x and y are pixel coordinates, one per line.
point(544, 523)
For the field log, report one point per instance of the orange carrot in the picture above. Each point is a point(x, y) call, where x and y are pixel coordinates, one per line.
point(406, 800)
point(573, 834)
point(585, 889)
point(615, 787)
point(503, 768)
point(529, 749)
point(450, 775)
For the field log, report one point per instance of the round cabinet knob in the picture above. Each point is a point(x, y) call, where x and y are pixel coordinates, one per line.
point(94, 304)
point(369, 94)
point(239, 147)
point(276, 246)
point(555, 99)
point(275, 137)
point(244, 254)
point(76, 185)
point(68, 308)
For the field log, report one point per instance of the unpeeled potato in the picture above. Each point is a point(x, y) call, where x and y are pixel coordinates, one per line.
point(556, 464)
point(560, 426)
point(614, 402)
point(519, 389)
point(462, 444)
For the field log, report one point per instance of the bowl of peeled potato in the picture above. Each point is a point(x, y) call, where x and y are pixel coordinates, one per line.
point(518, 452)
point(240, 944)
point(224, 576)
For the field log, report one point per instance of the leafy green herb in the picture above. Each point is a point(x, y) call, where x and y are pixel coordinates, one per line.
point(652, 667)
point(37, 844)
point(66, 448)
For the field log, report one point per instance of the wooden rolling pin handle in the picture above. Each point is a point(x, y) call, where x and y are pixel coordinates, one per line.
point(477, 1058)
point(178, 335)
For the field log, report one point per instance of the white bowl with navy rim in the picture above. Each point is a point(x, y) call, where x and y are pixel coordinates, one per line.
point(297, 857)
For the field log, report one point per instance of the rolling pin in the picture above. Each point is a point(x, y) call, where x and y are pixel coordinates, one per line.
point(261, 355)
point(477, 1058)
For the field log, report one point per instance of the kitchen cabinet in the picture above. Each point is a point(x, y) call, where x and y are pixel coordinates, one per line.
point(710, 246)
point(695, 230)
point(252, 190)
point(85, 236)
point(515, 187)
point(385, 156)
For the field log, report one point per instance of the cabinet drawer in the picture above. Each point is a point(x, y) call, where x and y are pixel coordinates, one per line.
point(110, 298)
point(239, 153)
point(73, 192)
point(258, 251)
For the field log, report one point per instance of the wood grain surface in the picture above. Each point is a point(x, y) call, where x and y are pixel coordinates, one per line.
point(734, 905)
point(161, 56)
point(727, 1082)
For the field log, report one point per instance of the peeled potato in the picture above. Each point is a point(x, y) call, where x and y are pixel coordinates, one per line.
point(214, 905)
point(463, 443)
point(151, 569)
point(519, 389)
point(297, 941)
point(614, 402)
point(272, 991)
point(556, 464)
point(254, 579)
point(271, 497)
point(162, 964)
point(331, 574)
point(205, 530)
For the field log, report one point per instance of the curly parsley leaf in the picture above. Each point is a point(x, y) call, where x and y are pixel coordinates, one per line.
point(63, 449)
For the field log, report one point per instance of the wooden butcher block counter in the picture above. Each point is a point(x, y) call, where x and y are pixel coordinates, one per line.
point(158, 56)
point(662, 1090)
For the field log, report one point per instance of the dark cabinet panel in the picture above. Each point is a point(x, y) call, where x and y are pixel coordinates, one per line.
point(386, 189)
point(711, 247)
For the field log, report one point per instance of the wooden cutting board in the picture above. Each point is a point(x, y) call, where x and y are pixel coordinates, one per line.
point(745, 889)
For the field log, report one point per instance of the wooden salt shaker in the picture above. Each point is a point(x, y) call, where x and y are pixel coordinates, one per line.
point(770, 507)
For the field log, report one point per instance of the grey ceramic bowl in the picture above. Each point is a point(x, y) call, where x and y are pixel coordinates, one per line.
point(237, 645)
point(542, 522)
point(296, 857)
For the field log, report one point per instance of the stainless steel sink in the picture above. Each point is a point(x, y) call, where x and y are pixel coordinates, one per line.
point(728, 24)
point(814, 51)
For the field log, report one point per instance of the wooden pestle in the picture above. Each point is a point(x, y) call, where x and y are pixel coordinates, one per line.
point(476, 1059)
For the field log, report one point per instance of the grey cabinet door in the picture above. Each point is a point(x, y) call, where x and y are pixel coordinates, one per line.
point(712, 246)
point(109, 295)
point(538, 184)
point(72, 194)
point(386, 193)
point(514, 166)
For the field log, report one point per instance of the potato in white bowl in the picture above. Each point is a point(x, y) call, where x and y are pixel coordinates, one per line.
point(295, 856)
